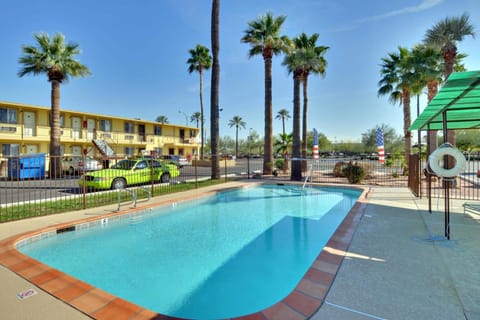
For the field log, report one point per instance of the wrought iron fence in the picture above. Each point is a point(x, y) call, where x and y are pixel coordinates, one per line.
point(27, 190)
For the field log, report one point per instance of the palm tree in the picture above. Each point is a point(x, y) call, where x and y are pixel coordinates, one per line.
point(314, 63)
point(56, 59)
point(214, 88)
point(284, 146)
point(428, 68)
point(293, 63)
point(200, 60)
point(195, 117)
point(444, 35)
point(239, 124)
point(398, 81)
point(264, 37)
point(162, 119)
point(283, 114)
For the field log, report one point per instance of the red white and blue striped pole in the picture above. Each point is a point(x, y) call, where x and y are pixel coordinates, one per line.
point(315, 144)
point(380, 146)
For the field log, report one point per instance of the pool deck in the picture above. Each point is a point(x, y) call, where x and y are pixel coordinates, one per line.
point(388, 260)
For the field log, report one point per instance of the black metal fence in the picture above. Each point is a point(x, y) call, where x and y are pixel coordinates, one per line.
point(27, 190)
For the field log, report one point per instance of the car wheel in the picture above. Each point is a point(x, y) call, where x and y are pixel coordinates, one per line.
point(119, 183)
point(165, 177)
point(71, 171)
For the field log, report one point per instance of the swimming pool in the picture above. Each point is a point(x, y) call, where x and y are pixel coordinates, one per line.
point(224, 256)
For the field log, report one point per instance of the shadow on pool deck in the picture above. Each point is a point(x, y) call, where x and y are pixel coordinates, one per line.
point(398, 266)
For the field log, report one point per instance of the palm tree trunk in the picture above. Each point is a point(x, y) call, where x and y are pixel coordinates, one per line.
point(201, 115)
point(304, 123)
point(432, 87)
point(236, 141)
point(55, 169)
point(296, 173)
point(407, 122)
point(268, 147)
point(215, 83)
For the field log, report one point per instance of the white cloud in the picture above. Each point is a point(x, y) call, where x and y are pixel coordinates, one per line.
point(424, 5)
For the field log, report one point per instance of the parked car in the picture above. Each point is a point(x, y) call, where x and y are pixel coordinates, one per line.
point(129, 172)
point(176, 160)
point(76, 164)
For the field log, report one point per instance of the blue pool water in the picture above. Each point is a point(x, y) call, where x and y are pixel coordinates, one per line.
point(228, 255)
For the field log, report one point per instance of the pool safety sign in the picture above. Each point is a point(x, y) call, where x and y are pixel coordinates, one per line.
point(26, 294)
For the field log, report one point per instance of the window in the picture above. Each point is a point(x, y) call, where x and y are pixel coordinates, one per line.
point(62, 121)
point(10, 149)
point(192, 133)
point(129, 151)
point(8, 115)
point(129, 127)
point(157, 130)
point(105, 126)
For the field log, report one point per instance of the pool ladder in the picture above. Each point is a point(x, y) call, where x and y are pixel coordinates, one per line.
point(133, 193)
point(309, 175)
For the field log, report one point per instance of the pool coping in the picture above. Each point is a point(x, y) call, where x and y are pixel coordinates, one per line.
point(301, 303)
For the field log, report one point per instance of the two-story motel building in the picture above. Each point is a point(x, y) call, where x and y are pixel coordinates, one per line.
point(25, 129)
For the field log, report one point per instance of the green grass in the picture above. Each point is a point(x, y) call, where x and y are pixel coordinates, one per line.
point(91, 200)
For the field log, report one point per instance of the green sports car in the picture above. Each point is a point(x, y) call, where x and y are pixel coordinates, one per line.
point(129, 172)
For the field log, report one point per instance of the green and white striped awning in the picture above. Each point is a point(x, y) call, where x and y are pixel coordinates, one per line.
point(458, 100)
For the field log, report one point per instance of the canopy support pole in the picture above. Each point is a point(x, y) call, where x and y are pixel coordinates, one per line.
point(446, 183)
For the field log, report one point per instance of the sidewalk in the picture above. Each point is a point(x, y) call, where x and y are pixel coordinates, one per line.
point(398, 265)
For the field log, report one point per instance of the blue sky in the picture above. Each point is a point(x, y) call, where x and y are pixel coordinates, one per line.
point(137, 52)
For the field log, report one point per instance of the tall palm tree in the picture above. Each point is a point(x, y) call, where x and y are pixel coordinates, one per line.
point(161, 119)
point(283, 114)
point(293, 62)
point(56, 59)
point(444, 35)
point(314, 63)
point(239, 124)
point(195, 117)
point(200, 60)
point(398, 80)
point(214, 88)
point(264, 37)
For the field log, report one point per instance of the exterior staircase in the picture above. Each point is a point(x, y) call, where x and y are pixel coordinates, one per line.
point(103, 147)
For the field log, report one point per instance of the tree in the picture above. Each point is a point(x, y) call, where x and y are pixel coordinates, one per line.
point(200, 60)
point(283, 114)
point(238, 123)
point(313, 62)
point(444, 35)
point(398, 80)
point(56, 59)
point(195, 117)
point(391, 139)
point(162, 119)
point(293, 63)
point(214, 88)
point(264, 37)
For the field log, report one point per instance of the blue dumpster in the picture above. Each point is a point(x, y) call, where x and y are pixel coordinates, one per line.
point(28, 166)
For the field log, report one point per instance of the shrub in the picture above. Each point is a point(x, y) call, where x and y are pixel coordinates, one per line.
point(279, 163)
point(354, 172)
point(338, 169)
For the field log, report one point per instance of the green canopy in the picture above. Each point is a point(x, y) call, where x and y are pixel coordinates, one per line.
point(459, 98)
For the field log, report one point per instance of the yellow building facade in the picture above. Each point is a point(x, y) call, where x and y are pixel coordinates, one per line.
point(25, 129)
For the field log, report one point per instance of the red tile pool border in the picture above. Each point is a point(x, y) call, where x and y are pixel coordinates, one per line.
point(300, 304)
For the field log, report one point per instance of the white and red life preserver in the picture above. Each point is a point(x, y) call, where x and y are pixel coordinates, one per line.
point(435, 160)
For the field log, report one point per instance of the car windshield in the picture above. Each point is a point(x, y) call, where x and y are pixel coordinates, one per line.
point(124, 165)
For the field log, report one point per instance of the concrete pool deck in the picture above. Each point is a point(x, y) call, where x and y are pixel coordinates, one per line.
point(396, 266)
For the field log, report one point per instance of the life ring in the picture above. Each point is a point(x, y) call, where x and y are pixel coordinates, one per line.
point(437, 156)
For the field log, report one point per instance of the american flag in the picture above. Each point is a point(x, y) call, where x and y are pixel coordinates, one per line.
point(315, 144)
point(380, 146)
